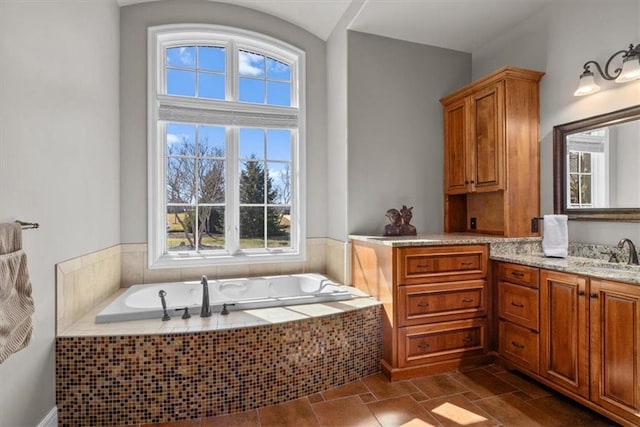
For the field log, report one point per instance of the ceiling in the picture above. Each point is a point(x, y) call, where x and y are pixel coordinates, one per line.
point(462, 25)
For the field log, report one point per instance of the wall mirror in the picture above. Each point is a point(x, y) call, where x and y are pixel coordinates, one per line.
point(597, 167)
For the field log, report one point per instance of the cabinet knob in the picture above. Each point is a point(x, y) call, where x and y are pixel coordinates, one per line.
point(466, 182)
point(580, 293)
point(593, 295)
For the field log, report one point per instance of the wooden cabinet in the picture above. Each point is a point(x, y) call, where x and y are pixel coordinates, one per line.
point(615, 347)
point(518, 315)
point(564, 352)
point(587, 336)
point(491, 160)
point(435, 301)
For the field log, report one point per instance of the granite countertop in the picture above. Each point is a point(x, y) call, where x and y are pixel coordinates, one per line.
point(584, 259)
point(440, 239)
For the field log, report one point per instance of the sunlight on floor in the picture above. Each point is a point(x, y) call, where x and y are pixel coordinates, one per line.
point(457, 414)
point(416, 422)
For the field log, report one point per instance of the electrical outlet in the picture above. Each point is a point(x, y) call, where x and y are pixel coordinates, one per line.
point(474, 223)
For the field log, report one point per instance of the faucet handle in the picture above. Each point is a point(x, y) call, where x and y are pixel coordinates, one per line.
point(613, 255)
point(224, 311)
point(186, 314)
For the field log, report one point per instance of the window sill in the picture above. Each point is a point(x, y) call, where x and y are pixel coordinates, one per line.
point(203, 260)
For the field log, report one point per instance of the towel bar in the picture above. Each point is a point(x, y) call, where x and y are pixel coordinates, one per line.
point(28, 225)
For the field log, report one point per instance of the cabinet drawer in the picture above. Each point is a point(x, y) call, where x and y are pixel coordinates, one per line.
point(520, 274)
point(441, 341)
point(441, 263)
point(439, 302)
point(519, 345)
point(518, 304)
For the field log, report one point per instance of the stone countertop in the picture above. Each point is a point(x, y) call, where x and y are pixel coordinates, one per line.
point(440, 239)
point(584, 259)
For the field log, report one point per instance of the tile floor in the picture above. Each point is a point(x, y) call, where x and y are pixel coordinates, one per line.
point(482, 397)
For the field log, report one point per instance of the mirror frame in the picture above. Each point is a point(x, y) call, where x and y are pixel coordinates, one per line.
point(559, 167)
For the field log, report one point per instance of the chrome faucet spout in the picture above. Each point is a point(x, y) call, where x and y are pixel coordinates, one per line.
point(205, 311)
point(633, 253)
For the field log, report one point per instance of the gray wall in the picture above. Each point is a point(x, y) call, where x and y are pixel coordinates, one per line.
point(559, 40)
point(395, 150)
point(59, 164)
point(134, 21)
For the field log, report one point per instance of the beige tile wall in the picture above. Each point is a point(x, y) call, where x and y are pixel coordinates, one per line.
point(83, 282)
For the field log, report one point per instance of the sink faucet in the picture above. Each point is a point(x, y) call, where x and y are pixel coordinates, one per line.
point(633, 253)
point(205, 311)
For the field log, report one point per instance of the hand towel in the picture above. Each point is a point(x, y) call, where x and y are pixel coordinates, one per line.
point(16, 303)
point(555, 238)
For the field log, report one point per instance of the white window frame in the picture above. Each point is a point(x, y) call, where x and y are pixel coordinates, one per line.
point(232, 114)
point(598, 147)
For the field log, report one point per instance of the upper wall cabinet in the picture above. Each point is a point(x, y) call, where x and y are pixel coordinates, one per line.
point(491, 163)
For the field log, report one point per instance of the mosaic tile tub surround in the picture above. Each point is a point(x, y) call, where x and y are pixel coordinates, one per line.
point(118, 380)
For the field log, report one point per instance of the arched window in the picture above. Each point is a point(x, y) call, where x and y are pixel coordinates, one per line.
point(226, 147)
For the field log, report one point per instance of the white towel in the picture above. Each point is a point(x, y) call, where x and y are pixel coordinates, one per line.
point(555, 240)
point(16, 303)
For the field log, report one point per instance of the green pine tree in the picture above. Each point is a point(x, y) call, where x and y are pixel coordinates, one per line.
point(252, 190)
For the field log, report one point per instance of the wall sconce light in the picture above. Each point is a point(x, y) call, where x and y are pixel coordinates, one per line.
point(629, 71)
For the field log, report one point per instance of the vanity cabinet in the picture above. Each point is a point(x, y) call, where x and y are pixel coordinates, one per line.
point(518, 315)
point(491, 154)
point(577, 334)
point(615, 347)
point(435, 301)
point(564, 355)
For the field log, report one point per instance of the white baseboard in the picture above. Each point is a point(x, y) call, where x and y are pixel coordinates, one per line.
point(51, 420)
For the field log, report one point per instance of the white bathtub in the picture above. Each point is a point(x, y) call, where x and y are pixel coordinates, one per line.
point(143, 301)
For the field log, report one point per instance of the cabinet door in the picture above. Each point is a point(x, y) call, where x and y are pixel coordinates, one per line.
point(615, 347)
point(456, 160)
point(487, 139)
point(563, 330)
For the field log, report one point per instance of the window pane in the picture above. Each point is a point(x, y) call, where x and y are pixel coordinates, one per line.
point(251, 90)
point(585, 189)
point(573, 161)
point(211, 141)
point(252, 182)
point(181, 82)
point(279, 93)
point(251, 143)
point(180, 180)
point(211, 232)
point(280, 182)
point(250, 64)
point(211, 58)
point(183, 56)
point(585, 162)
point(181, 139)
point(211, 86)
point(279, 144)
point(181, 222)
point(211, 180)
point(251, 227)
point(278, 227)
point(278, 70)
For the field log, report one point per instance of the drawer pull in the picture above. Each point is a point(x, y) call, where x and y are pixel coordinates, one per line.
point(466, 264)
point(467, 340)
point(517, 274)
point(423, 304)
point(467, 300)
point(422, 266)
point(516, 345)
point(423, 346)
point(517, 304)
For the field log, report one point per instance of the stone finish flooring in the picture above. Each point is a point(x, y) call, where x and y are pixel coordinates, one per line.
point(482, 397)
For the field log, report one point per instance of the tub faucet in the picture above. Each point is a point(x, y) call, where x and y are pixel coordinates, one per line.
point(633, 253)
point(205, 311)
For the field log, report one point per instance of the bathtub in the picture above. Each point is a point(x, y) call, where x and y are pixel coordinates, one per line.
point(143, 301)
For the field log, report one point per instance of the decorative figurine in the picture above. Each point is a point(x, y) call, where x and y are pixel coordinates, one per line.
point(393, 229)
point(407, 229)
